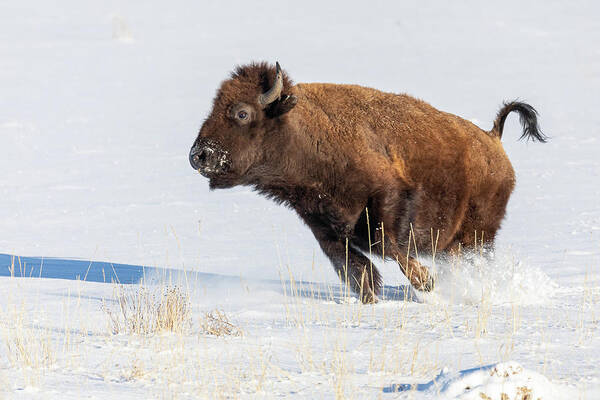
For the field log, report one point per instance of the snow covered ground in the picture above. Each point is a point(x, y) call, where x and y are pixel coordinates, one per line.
point(99, 106)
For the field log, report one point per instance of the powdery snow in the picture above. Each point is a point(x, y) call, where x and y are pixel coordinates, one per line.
point(507, 380)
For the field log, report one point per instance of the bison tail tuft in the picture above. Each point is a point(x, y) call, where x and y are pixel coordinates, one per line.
point(527, 116)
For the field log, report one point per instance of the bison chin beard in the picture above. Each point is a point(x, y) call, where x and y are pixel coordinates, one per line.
point(221, 182)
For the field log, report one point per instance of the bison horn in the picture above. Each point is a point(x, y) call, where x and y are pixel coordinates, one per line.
point(275, 92)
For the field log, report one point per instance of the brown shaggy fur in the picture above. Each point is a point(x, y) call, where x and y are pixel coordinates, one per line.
point(366, 170)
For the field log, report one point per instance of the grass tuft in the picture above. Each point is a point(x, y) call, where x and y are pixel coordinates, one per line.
point(143, 311)
point(217, 323)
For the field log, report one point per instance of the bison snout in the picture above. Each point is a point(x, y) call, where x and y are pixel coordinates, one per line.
point(198, 159)
point(209, 159)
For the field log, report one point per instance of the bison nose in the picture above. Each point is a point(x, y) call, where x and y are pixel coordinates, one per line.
point(198, 158)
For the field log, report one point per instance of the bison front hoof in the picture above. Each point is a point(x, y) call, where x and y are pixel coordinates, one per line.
point(369, 298)
point(426, 286)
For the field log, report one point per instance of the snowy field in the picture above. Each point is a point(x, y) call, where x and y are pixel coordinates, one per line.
point(100, 103)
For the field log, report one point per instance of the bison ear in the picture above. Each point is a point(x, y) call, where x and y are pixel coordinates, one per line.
point(281, 106)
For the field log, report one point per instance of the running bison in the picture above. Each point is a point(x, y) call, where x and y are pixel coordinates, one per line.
point(369, 172)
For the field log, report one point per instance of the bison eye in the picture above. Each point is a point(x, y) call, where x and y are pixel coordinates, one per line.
point(242, 115)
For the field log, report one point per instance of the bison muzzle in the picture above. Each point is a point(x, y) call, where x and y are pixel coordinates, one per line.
point(369, 172)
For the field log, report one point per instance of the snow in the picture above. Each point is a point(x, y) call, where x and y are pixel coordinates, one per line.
point(100, 104)
point(491, 381)
point(504, 280)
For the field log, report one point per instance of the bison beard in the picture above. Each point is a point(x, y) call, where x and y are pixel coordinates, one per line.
point(367, 171)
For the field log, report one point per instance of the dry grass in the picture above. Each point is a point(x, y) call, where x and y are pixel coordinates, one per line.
point(217, 323)
point(28, 346)
point(144, 311)
point(523, 393)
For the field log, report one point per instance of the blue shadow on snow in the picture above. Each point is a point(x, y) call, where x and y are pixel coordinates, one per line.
point(106, 272)
point(91, 271)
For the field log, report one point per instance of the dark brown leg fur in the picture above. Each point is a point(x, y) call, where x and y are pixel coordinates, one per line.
point(333, 228)
point(354, 269)
point(395, 209)
point(482, 221)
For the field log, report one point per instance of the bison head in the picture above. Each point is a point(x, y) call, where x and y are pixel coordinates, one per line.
point(247, 111)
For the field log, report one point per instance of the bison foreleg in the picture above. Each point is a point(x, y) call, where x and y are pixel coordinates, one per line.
point(353, 268)
point(333, 228)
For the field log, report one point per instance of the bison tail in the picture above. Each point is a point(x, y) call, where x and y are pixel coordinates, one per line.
point(527, 116)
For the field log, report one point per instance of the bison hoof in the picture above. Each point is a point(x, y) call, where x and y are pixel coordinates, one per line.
point(427, 286)
point(369, 298)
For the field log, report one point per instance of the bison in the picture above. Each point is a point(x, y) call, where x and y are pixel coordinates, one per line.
point(369, 172)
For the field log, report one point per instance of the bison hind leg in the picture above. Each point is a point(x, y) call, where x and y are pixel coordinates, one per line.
point(418, 275)
point(480, 225)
